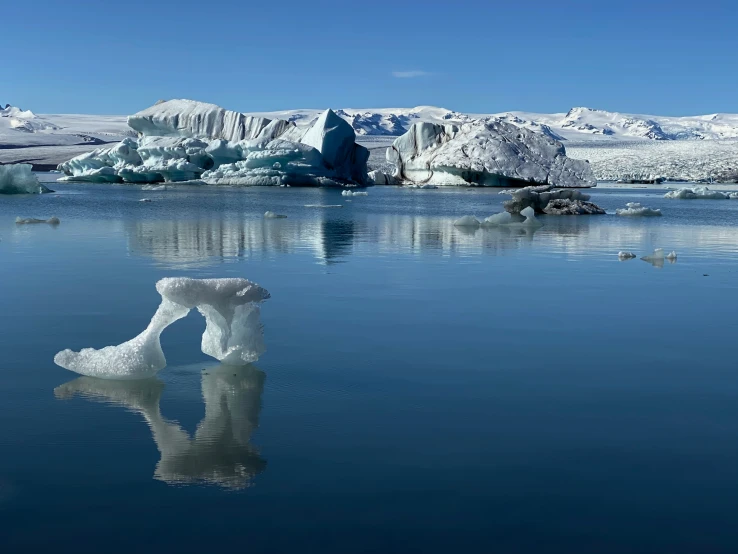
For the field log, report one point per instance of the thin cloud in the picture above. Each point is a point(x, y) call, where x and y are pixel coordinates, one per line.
point(410, 74)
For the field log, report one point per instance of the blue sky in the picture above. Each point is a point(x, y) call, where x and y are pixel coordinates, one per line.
point(648, 56)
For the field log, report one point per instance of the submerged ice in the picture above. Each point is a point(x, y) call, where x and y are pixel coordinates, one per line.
point(233, 332)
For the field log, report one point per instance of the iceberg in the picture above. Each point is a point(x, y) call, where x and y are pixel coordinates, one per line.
point(185, 141)
point(233, 332)
point(19, 179)
point(31, 220)
point(635, 209)
point(697, 193)
point(546, 199)
point(484, 153)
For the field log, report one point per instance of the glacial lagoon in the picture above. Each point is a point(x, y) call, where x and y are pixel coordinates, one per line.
point(425, 388)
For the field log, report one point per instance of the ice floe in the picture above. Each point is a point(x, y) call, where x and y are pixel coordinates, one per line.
point(19, 179)
point(697, 193)
point(635, 209)
point(484, 153)
point(233, 332)
point(547, 199)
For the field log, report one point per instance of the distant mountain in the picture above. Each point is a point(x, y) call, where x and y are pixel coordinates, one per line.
point(577, 124)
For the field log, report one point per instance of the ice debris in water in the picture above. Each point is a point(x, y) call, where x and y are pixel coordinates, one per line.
point(671, 255)
point(352, 193)
point(697, 193)
point(530, 217)
point(272, 215)
point(544, 199)
point(19, 179)
point(635, 209)
point(626, 255)
point(467, 221)
point(502, 218)
point(323, 206)
point(145, 200)
point(233, 332)
point(657, 254)
point(29, 220)
point(154, 188)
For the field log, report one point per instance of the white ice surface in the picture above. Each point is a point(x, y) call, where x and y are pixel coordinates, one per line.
point(697, 193)
point(635, 209)
point(233, 332)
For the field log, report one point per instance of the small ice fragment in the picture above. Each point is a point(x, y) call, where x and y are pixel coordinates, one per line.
point(502, 218)
point(635, 209)
point(323, 206)
point(352, 193)
point(626, 255)
point(155, 188)
point(530, 217)
point(467, 221)
point(29, 220)
point(145, 200)
point(671, 255)
point(272, 215)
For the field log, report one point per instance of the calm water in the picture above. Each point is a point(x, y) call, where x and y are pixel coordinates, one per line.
point(425, 389)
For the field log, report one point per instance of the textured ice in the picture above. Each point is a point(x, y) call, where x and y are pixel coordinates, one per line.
point(566, 206)
point(697, 193)
point(540, 197)
point(233, 332)
point(272, 215)
point(183, 140)
point(467, 221)
point(486, 153)
point(626, 255)
point(502, 218)
point(30, 220)
point(378, 177)
point(635, 209)
point(19, 179)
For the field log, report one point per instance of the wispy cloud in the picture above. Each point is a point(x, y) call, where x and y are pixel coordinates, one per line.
point(410, 74)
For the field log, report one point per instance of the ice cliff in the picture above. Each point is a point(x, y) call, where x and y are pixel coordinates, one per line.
point(183, 140)
point(484, 153)
point(233, 332)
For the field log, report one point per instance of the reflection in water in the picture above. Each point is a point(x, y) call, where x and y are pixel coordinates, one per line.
point(332, 238)
point(219, 452)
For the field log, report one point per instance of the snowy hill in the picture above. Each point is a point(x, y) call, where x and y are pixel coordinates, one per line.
point(576, 124)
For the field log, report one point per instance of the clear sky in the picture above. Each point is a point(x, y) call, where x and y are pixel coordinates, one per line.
point(674, 57)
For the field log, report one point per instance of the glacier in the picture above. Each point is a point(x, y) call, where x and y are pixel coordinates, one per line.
point(233, 332)
point(19, 179)
point(185, 141)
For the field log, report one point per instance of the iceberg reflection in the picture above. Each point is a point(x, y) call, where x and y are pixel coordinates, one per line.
point(219, 452)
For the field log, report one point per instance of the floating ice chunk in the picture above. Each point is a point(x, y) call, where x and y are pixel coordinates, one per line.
point(657, 254)
point(697, 193)
point(377, 177)
point(635, 209)
point(233, 332)
point(155, 188)
point(30, 220)
point(354, 193)
point(145, 200)
point(626, 255)
point(530, 218)
point(467, 221)
point(19, 179)
point(544, 199)
point(323, 206)
point(426, 187)
point(671, 255)
point(502, 218)
point(272, 215)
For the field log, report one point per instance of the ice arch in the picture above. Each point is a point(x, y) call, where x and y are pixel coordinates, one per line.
point(219, 452)
point(233, 332)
